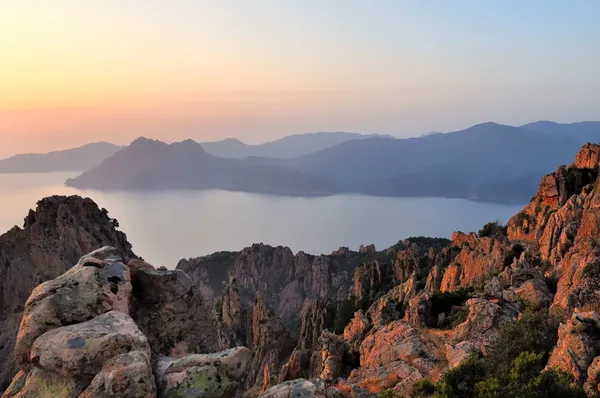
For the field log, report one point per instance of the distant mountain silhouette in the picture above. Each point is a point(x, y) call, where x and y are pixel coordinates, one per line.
point(285, 148)
point(580, 131)
point(488, 162)
point(76, 159)
point(154, 165)
point(465, 164)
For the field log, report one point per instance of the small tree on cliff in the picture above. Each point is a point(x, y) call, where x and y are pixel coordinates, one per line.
point(344, 315)
point(493, 229)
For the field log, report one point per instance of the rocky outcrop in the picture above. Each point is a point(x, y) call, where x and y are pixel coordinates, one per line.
point(456, 354)
point(271, 345)
point(126, 375)
point(356, 330)
point(588, 157)
point(578, 345)
point(566, 184)
point(330, 358)
point(484, 321)
point(592, 384)
point(316, 317)
point(478, 260)
point(287, 280)
point(77, 338)
point(54, 236)
point(233, 318)
point(100, 282)
point(392, 357)
point(168, 297)
point(521, 283)
point(369, 278)
point(217, 375)
point(419, 307)
point(302, 388)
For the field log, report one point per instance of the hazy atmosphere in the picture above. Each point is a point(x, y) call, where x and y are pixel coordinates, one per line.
point(73, 72)
point(299, 198)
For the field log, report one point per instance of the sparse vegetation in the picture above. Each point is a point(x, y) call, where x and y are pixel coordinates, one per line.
point(513, 367)
point(344, 315)
point(423, 388)
point(515, 252)
point(493, 230)
point(520, 218)
point(390, 394)
point(447, 308)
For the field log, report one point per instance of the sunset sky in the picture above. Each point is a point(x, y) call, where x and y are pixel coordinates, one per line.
point(74, 71)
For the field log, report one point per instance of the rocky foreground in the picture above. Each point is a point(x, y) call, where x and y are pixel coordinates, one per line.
point(510, 311)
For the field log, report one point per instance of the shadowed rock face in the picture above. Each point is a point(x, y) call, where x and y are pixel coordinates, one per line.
point(54, 236)
point(172, 314)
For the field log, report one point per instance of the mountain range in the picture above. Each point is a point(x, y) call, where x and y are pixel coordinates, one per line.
point(287, 147)
point(488, 162)
point(87, 156)
point(154, 165)
point(77, 159)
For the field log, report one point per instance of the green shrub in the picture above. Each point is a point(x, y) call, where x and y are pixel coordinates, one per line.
point(344, 315)
point(493, 229)
point(515, 252)
point(461, 381)
point(535, 332)
point(449, 303)
point(528, 379)
point(423, 388)
point(513, 367)
point(390, 394)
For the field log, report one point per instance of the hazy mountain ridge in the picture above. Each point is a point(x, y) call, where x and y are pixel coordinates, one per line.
point(487, 162)
point(154, 165)
point(287, 147)
point(90, 155)
point(75, 159)
point(461, 164)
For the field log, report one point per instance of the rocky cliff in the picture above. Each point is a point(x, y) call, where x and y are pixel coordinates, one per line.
point(424, 313)
point(114, 327)
point(265, 322)
point(53, 238)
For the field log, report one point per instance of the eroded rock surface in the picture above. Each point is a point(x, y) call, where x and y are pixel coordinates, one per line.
point(54, 236)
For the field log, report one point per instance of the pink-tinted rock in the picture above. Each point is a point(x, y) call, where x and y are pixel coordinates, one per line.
point(80, 351)
point(578, 345)
point(127, 375)
point(91, 288)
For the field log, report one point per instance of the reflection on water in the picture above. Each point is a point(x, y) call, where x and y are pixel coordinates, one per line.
point(167, 226)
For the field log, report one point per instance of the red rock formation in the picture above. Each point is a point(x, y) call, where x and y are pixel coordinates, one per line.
point(478, 260)
point(271, 345)
point(578, 345)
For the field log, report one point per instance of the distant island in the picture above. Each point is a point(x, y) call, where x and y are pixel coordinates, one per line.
point(486, 162)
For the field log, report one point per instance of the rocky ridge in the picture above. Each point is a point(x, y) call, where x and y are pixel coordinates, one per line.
point(443, 303)
point(54, 236)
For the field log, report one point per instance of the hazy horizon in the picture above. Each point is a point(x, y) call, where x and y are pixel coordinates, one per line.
point(78, 72)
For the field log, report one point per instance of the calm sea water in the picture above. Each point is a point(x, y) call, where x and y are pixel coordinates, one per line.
point(167, 226)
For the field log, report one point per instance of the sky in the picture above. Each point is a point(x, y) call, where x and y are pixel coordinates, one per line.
point(73, 72)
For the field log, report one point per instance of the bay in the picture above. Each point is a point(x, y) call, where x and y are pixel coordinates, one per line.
point(169, 225)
